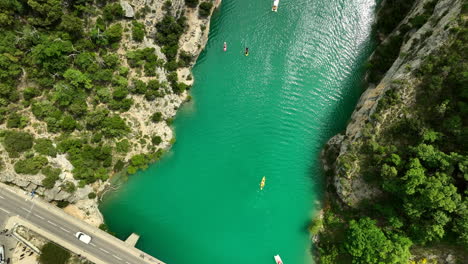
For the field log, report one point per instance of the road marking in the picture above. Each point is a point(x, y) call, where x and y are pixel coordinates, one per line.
point(25, 209)
point(2, 197)
point(39, 216)
point(104, 250)
point(64, 230)
point(4, 210)
point(92, 244)
point(52, 223)
point(117, 257)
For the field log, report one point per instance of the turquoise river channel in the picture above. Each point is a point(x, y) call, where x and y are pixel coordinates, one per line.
point(267, 114)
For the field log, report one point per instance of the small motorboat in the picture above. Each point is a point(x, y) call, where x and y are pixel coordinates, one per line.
point(274, 8)
point(246, 52)
point(278, 260)
point(225, 46)
point(262, 183)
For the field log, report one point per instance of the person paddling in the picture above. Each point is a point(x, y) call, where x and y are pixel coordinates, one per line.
point(225, 46)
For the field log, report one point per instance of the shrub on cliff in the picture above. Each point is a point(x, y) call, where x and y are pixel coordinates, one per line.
point(192, 3)
point(15, 142)
point(52, 175)
point(112, 11)
point(30, 165)
point(138, 31)
point(16, 120)
point(44, 146)
point(156, 117)
point(204, 9)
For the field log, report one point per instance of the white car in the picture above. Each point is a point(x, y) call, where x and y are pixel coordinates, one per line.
point(83, 237)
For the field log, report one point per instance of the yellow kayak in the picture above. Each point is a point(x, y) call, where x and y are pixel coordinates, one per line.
point(262, 183)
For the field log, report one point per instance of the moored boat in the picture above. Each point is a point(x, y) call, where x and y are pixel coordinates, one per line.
point(278, 259)
point(274, 8)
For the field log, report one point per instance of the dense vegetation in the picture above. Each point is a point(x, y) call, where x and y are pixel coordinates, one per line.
point(420, 163)
point(53, 254)
point(61, 74)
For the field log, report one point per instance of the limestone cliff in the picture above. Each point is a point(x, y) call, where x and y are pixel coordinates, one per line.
point(343, 149)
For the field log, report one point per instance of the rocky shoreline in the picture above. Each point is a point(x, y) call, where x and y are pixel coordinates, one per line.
point(346, 156)
point(82, 203)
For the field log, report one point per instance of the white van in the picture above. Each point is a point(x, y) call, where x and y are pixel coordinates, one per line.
point(83, 237)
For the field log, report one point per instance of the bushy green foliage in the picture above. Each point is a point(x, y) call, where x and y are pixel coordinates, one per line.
point(138, 31)
point(144, 57)
point(112, 11)
point(204, 9)
point(156, 140)
point(52, 175)
point(169, 32)
point(185, 58)
point(192, 3)
point(368, 244)
point(45, 147)
point(15, 142)
point(139, 161)
point(16, 120)
point(30, 165)
point(68, 186)
point(53, 254)
point(156, 117)
point(122, 146)
point(90, 163)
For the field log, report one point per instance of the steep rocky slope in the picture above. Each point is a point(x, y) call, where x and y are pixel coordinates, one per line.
point(397, 175)
point(145, 137)
point(418, 44)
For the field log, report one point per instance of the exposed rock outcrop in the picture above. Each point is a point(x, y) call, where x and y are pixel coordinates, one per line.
point(421, 42)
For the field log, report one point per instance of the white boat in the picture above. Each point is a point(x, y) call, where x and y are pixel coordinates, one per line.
point(278, 260)
point(275, 6)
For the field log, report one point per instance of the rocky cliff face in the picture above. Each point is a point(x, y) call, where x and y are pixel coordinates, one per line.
point(343, 149)
point(192, 42)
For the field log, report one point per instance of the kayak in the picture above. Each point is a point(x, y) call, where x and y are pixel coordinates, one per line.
point(262, 183)
point(278, 260)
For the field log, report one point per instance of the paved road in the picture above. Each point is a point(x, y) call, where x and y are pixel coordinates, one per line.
point(103, 248)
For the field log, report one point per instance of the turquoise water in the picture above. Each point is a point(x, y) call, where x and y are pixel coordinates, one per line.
point(267, 114)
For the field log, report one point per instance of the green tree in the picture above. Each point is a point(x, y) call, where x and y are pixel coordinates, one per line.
point(204, 9)
point(52, 175)
point(49, 11)
point(30, 165)
point(72, 25)
point(156, 117)
point(138, 31)
point(16, 120)
point(77, 79)
point(45, 146)
point(192, 3)
point(368, 244)
point(53, 254)
point(15, 142)
point(114, 33)
point(112, 11)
